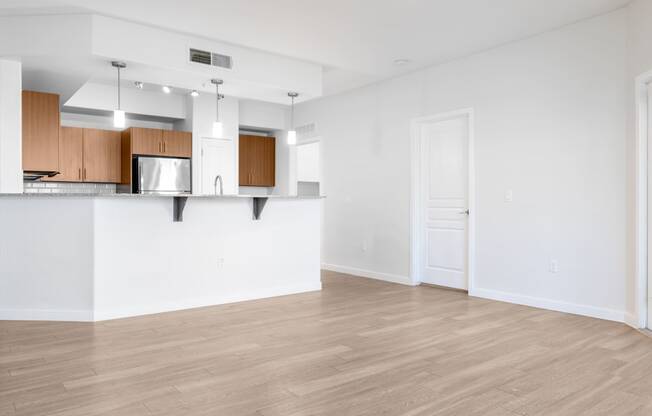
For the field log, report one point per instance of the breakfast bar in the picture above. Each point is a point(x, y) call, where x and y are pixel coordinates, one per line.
point(92, 257)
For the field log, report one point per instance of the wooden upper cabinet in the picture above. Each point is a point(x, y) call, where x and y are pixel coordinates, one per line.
point(71, 161)
point(146, 141)
point(177, 143)
point(40, 131)
point(102, 156)
point(266, 176)
point(156, 142)
point(246, 160)
point(257, 162)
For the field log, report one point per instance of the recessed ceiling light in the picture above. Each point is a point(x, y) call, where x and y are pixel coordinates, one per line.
point(166, 89)
point(401, 61)
point(139, 85)
point(194, 93)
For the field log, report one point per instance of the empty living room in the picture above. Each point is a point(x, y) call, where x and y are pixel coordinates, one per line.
point(334, 208)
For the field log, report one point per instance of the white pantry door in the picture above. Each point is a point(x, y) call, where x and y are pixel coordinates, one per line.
point(444, 179)
point(217, 158)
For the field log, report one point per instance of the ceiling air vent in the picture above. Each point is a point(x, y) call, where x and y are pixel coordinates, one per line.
point(223, 61)
point(211, 58)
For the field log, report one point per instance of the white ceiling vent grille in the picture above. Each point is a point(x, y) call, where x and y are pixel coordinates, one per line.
point(210, 58)
point(306, 131)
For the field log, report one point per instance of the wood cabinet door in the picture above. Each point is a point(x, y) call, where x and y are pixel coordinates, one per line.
point(266, 166)
point(101, 156)
point(177, 143)
point(147, 142)
point(70, 155)
point(246, 159)
point(40, 131)
point(257, 161)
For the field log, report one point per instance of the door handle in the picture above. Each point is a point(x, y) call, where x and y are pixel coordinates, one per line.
point(467, 212)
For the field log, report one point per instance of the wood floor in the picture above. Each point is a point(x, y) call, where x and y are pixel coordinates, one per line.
point(359, 347)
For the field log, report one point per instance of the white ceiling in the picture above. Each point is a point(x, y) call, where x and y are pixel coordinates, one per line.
point(356, 41)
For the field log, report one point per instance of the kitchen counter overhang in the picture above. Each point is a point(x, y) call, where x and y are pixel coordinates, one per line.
point(178, 200)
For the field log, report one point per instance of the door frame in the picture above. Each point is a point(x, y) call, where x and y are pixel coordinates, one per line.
point(416, 219)
point(639, 319)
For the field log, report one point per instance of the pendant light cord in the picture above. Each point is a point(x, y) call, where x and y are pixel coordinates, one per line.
point(119, 88)
point(292, 115)
point(217, 102)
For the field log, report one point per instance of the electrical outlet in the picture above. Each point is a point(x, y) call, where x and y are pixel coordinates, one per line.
point(509, 195)
point(554, 266)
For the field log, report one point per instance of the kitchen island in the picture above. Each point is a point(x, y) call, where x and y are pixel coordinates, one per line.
point(92, 258)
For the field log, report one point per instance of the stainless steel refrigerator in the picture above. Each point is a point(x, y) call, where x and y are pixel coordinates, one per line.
point(162, 175)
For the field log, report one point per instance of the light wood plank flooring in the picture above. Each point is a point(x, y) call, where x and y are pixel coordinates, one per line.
point(359, 347)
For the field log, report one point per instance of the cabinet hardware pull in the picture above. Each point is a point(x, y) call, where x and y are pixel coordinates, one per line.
point(79, 174)
point(84, 175)
point(165, 147)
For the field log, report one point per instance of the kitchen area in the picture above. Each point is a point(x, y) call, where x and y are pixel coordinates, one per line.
point(127, 195)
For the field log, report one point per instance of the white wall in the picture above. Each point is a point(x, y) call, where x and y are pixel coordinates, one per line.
point(639, 61)
point(11, 171)
point(255, 74)
point(46, 265)
point(263, 115)
point(96, 96)
point(286, 176)
point(106, 122)
point(203, 116)
point(550, 125)
point(308, 162)
point(62, 261)
point(218, 254)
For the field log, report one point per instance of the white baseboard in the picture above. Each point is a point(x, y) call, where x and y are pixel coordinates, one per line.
point(46, 315)
point(632, 320)
point(104, 315)
point(554, 305)
point(392, 278)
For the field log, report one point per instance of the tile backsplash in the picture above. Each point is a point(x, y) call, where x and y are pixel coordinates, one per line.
point(69, 188)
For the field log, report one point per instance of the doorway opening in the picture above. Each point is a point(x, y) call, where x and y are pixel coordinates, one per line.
point(309, 171)
point(643, 289)
point(218, 170)
point(442, 205)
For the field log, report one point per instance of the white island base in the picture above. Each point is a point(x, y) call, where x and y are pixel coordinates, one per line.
point(90, 258)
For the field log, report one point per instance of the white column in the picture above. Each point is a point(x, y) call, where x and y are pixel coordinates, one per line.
point(11, 170)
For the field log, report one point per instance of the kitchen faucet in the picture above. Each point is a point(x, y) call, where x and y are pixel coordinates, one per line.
point(218, 178)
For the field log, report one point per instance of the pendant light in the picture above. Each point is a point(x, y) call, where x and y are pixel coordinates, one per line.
point(292, 134)
point(218, 128)
point(118, 114)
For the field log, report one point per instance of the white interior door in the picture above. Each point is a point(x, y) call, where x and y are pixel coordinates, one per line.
point(444, 179)
point(217, 158)
point(308, 169)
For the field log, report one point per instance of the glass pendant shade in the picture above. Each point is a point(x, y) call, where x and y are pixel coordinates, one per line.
point(292, 137)
point(292, 133)
point(218, 129)
point(118, 119)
